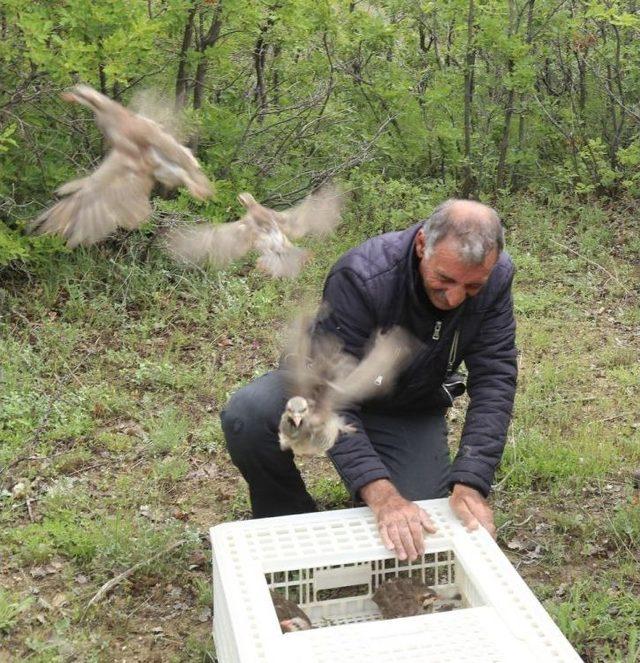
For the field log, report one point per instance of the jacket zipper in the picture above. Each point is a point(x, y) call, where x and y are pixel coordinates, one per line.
point(436, 330)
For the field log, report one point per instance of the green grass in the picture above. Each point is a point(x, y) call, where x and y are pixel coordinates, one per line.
point(610, 617)
point(329, 492)
point(116, 364)
point(10, 609)
point(167, 432)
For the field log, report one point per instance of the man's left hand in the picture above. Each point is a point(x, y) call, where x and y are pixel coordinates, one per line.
point(472, 508)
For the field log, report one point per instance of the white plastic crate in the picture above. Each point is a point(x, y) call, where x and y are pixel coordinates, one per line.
point(331, 563)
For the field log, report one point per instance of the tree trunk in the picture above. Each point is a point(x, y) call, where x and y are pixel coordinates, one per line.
point(469, 185)
point(102, 78)
point(504, 141)
point(503, 148)
point(582, 82)
point(515, 175)
point(210, 39)
point(181, 76)
point(617, 76)
point(259, 57)
point(275, 78)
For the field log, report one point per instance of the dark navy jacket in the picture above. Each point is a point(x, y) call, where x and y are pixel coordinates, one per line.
point(377, 285)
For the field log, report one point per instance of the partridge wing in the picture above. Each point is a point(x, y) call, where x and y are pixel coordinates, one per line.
point(300, 376)
point(174, 164)
point(319, 213)
point(218, 244)
point(376, 373)
point(114, 195)
point(152, 104)
point(332, 366)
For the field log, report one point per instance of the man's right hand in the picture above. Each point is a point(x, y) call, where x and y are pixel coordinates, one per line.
point(401, 523)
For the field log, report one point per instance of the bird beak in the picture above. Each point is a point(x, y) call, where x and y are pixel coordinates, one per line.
point(296, 418)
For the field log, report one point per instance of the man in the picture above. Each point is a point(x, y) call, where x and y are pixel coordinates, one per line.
point(448, 282)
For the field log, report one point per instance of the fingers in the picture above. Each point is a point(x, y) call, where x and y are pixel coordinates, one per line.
point(412, 538)
point(464, 513)
point(404, 532)
point(491, 528)
point(416, 538)
point(386, 539)
point(426, 521)
point(472, 509)
point(402, 540)
point(486, 520)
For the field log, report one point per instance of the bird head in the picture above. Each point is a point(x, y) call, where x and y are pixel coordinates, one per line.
point(427, 598)
point(294, 624)
point(296, 410)
point(247, 200)
point(87, 96)
point(263, 216)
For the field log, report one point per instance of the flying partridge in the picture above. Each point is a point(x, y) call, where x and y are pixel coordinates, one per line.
point(262, 229)
point(323, 379)
point(117, 193)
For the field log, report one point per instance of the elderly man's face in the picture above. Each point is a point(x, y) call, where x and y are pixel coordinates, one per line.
point(447, 280)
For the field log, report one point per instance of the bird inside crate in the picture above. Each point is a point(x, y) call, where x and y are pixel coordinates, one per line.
point(365, 591)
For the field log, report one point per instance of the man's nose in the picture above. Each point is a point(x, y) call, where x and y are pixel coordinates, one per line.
point(455, 296)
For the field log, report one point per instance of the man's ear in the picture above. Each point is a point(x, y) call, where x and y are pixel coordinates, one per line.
point(419, 244)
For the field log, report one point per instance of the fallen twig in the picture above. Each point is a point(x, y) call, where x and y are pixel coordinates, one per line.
point(510, 522)
point(30, 509)
point(524, 522)
point(502, 481)
point(114, 582)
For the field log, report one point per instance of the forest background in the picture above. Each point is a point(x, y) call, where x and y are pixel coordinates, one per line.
point(115, 362)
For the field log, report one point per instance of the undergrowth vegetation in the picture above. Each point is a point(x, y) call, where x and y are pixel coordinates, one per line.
point(116, 364)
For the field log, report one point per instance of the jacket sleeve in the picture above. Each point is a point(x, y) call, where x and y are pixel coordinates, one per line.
point(351, 316)
point(491, 362)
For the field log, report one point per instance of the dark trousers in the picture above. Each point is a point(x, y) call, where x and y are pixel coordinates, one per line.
point(412, 447)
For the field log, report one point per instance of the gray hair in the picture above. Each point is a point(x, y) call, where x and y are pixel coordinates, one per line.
point(476, 235)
